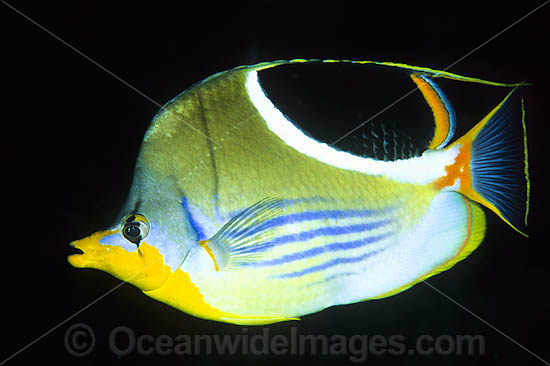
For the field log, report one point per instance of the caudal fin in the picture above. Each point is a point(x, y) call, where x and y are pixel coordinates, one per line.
point(491, 166)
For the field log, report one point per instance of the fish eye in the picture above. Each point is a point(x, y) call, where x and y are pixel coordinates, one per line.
point(135, 228)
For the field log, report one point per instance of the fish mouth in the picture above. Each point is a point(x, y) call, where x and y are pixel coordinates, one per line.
point(73, 250)
point(88, 252)
point(77, 256)
point(82, 255)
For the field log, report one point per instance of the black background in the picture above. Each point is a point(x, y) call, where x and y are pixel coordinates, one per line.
point(71, 132)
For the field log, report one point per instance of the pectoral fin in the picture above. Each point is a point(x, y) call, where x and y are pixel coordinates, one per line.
point(243, 238)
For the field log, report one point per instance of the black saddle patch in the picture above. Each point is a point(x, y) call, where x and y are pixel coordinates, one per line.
point(328, 100)
point(383, 142)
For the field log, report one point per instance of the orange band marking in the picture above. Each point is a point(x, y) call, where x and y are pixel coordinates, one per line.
point(469, 227)
point(460, 169)
point(440, 112)
point(204, 244)
point(469, 221)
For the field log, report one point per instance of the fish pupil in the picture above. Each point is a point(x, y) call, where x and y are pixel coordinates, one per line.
point(132, 233)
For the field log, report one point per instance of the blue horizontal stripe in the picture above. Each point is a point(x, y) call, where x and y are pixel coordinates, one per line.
point(332, 277)
point(328, 264)
point(312, 252)
point(300, 217)
point(310, 234)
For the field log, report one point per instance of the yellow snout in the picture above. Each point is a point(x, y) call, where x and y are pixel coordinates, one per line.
point(143, 268)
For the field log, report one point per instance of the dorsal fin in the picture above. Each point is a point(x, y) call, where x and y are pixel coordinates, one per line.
point(308, 98)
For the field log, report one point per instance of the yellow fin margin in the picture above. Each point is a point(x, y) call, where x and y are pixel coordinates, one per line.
point(414, 69)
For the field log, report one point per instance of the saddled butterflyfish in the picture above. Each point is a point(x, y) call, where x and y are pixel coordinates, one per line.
point(236, 214)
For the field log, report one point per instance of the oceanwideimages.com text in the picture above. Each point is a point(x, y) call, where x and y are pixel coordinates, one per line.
point(123, 341)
